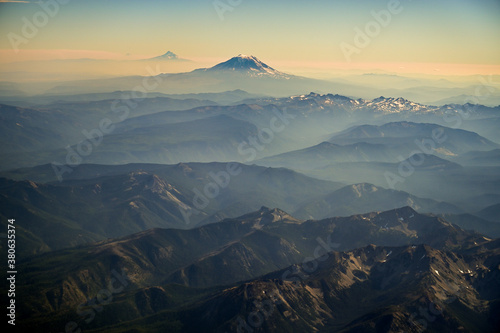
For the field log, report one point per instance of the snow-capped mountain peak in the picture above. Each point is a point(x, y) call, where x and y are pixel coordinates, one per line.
point(169, 55)
point(392, 104)
point(244, 56)
point(249, 65)
point(380, 105)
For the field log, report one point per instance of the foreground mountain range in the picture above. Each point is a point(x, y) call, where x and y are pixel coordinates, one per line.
point(267, 271)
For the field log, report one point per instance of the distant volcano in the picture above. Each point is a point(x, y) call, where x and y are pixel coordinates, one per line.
point(169, 56)
point(248, 65)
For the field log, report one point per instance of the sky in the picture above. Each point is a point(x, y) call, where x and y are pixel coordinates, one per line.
point(451, 37)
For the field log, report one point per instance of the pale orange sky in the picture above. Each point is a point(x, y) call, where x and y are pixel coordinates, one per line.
point(440, 37)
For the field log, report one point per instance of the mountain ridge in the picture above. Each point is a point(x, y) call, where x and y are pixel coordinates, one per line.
point(409, 274)
point(246, 65)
